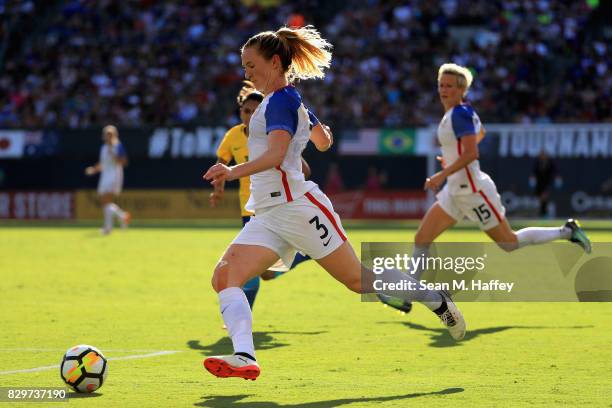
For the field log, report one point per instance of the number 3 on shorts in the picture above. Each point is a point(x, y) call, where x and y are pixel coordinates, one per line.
point(319, 226)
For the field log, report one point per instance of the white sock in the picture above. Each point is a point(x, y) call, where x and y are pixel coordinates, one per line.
point(238, 319)
point(108, 217)
point(430, 298)
point(417, 252)
point(541, 235)
point(117, 211)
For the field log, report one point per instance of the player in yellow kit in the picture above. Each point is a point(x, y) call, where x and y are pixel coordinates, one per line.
point(234, 147)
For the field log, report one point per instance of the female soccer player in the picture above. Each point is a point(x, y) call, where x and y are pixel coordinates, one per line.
point(110, 166)
point(290, 213)
point(470, 192)
point(234, 147)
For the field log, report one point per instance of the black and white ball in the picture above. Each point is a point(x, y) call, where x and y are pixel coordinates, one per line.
point(84, 368)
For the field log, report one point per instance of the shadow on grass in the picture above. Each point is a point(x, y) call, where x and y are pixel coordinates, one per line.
point(262, 340)
point(441, 338)
point(233, 400)
point(74, 395)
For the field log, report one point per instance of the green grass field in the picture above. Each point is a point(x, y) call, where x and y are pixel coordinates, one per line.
point(139, 292)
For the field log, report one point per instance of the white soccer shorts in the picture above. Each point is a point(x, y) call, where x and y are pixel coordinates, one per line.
point(110, 184)
point(308, 224)
point(484, 207)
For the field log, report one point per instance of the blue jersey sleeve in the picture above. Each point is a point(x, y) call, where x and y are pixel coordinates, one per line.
point(314, 121)
point(282, 113)
point(120, 151)
point(463, 124)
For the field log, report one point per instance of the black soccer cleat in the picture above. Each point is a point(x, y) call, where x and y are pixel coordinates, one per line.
point(399, 304)
point(578, 235)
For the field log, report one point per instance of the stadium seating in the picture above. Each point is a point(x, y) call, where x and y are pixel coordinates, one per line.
point(87, 63)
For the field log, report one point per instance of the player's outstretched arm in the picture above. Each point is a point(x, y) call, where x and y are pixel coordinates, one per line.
point(278, 143)
point(322, 137)
point(95, 169)
point(217, 195)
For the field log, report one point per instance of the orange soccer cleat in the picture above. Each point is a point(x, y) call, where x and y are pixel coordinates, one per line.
point(232, 366)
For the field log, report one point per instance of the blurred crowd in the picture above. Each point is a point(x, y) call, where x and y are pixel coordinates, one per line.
point(78, 63)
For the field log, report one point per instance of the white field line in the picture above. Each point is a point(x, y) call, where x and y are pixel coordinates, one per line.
point(31, 370)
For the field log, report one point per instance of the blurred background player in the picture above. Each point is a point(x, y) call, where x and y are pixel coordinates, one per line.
point(291, 214)
point(333, 181)
point(234, 147)
point(110, 166)
point(375, 181)
point(470, 192)
point(543, 176)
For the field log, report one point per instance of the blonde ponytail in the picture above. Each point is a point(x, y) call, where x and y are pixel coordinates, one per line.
point(310, 53)
point(303, 52)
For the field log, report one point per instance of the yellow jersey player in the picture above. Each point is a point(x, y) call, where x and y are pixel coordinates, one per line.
point(234, 147)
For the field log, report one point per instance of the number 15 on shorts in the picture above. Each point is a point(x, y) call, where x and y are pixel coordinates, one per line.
point(483, 213)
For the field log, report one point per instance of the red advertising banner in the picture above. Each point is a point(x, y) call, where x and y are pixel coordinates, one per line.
point(37, 205)
point(380, 204)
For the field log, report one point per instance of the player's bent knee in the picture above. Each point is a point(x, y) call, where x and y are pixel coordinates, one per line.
point(511, 247)
point(221, 276)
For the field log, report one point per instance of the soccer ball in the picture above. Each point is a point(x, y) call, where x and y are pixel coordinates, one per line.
point(84, 368)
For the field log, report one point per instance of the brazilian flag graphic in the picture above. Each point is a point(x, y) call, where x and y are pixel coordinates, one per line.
point(397, 141)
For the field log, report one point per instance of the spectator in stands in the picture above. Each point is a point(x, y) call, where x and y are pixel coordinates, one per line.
point(146, 62)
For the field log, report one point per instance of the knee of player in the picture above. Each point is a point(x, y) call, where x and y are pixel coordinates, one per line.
point(220, 276)
point(508, 246)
